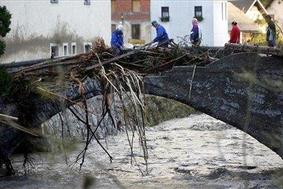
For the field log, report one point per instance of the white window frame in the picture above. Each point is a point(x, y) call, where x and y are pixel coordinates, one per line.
point(50, 49)
point(85, 44)
point(63, 50)
point(73, 44)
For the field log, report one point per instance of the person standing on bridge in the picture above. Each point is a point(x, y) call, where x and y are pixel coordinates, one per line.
point(195, 35)
point(161, 35)
point(235, 33)
point(270, 32)
point(117, 40)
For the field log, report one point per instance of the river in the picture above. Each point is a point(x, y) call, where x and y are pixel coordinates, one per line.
point(194, 152)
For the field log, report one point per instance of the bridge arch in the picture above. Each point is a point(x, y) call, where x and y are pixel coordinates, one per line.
point(244, 90)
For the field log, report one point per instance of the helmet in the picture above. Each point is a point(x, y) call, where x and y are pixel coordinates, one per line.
point(154, 23)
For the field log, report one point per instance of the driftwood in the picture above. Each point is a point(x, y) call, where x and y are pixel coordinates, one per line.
point(159, 58)
point(11, 122)
point(4, 116)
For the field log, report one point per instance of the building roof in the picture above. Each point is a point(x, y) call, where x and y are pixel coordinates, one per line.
point(244, 22)
point(245, 5)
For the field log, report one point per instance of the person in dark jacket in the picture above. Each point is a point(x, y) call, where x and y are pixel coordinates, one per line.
point(161, 35)
point(235, 33)
point(195, 36)
point(117, 40)
point(270, 32)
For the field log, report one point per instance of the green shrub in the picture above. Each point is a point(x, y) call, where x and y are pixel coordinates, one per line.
point(258, 39)
point(5, 21)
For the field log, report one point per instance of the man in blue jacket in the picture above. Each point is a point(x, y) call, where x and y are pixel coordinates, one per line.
point(161, 35)
point(117, 40)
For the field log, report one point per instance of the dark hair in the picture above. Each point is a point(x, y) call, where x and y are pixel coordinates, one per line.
point(234, 23)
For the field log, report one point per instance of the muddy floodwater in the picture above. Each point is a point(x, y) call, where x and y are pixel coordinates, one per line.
point(194, 152)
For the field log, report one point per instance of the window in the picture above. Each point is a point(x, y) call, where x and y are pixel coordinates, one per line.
point(164, 14)
point(86, 2)
point(136, 5)
point(198, 11)
point(53, 1)
point(65, 49)
point(113, 6)
point(54, 50)
point(136, 32)
point(87, 47)
point(74, 48)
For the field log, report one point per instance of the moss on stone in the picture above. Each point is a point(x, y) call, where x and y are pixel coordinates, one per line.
point(160, 109)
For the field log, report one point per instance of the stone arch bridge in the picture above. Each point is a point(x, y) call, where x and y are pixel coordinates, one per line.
point(244, 90)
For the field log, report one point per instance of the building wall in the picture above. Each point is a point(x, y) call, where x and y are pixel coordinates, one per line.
point(276, 9)
point(122, 12)
point(254, 14)
point(220, 23)
point(214, 33)
point(37, 24)
point(124, 7)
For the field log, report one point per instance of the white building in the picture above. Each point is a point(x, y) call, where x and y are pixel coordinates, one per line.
point(176, 16)
point(40, 28)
